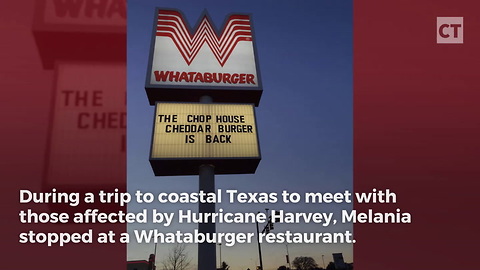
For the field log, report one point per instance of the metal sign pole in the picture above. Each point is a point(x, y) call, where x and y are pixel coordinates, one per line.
point(207, 251)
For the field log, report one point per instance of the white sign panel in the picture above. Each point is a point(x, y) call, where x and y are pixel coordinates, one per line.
point(203, 56)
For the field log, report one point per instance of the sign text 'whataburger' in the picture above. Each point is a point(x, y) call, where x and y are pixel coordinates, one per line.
point(219, 63)
point(204, 77)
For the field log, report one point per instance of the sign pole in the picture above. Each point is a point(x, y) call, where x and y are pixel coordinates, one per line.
point(206, 251)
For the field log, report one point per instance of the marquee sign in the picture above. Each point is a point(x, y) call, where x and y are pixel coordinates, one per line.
point(221, 64)
point(187, 135)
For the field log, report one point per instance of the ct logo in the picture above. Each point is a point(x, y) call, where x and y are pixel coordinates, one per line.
point(450, 30)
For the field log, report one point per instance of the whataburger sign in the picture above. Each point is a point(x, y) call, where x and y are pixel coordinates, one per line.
point(218, 63)
point(188, 63)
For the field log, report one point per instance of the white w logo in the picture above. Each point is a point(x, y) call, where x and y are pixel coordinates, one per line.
point(171, 24)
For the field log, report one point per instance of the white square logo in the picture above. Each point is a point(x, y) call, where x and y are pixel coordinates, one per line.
point(450, 30)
